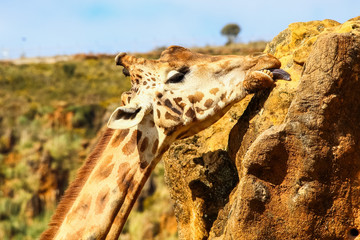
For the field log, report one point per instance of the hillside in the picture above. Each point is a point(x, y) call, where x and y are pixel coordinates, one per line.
point(51, 113)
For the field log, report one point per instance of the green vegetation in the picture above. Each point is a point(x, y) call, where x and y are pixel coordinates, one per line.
point(50, 115)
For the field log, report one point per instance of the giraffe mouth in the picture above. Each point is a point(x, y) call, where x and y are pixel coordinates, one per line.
point(276, 73)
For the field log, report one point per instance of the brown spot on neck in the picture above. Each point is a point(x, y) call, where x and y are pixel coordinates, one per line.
point(144, 144)
point(138, 136)
point(73, 191)
point(130, 146)
point(155, 146)
point(102, 200)
point(105, 169)
point(82, 208)
point(121, 135)
point(144, 164)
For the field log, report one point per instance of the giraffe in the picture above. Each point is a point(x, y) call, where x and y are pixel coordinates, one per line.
point(171, 98)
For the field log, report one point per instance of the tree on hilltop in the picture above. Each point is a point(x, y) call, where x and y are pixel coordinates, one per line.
point(231, 31)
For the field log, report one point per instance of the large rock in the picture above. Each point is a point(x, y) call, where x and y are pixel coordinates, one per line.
point(282, 164)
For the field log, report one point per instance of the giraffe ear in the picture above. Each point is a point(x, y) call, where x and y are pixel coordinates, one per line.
point(126, 117)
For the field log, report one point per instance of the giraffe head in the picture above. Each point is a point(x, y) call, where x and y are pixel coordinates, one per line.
point(185, 92)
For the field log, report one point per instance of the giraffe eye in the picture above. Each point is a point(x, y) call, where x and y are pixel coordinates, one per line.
point(176, 78)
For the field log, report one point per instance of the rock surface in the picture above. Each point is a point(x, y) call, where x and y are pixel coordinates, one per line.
point(285, 163)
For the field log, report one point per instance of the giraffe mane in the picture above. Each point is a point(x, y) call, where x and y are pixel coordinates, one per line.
point(75, 187)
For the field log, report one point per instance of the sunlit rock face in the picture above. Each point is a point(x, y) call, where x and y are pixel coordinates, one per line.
point(282, 164)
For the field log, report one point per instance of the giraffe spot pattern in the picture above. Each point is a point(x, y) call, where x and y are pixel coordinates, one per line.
point(208, 103)
point(168, 103)
point(216, 108)
point(155, 146)
point(159, 95)
point(213, 91)
point(125, 179)
point(178, 102)
point(102, 200)
point(105, 169)
point(197, 97)
point(119, 137)
point(169, 131)
point(199, 110)
point(138, 136)
point(152, 123)
point(171, 117)
point(82, 208)
point(129, 147)
point(144, 144)
point(190, 113)
point(143, 164)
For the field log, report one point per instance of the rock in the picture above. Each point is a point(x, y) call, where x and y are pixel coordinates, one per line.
point(296, 181)
point(201, 185)
point(295, 149)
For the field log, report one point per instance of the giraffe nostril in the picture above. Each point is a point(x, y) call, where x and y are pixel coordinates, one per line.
point(126, 72)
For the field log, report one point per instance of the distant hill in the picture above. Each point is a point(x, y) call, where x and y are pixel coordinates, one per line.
point(51, 111)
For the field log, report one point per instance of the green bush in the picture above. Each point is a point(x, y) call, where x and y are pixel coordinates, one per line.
point(69, 69)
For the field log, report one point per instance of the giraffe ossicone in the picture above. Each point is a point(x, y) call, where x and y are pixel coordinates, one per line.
point(171, 98)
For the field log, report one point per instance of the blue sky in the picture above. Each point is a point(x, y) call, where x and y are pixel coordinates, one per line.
point(54, 27)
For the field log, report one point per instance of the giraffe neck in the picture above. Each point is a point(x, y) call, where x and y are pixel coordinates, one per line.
point(99, 201)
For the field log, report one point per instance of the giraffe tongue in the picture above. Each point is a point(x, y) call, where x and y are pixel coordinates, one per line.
point(280, 74)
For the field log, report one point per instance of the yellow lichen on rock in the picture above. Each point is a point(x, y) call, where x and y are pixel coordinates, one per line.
point(284, 144)
point(293, 45)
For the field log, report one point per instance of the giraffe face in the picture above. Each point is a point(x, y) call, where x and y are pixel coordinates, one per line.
point(185, 90)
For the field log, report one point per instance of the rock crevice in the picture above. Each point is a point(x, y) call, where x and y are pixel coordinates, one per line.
point(296, 151)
